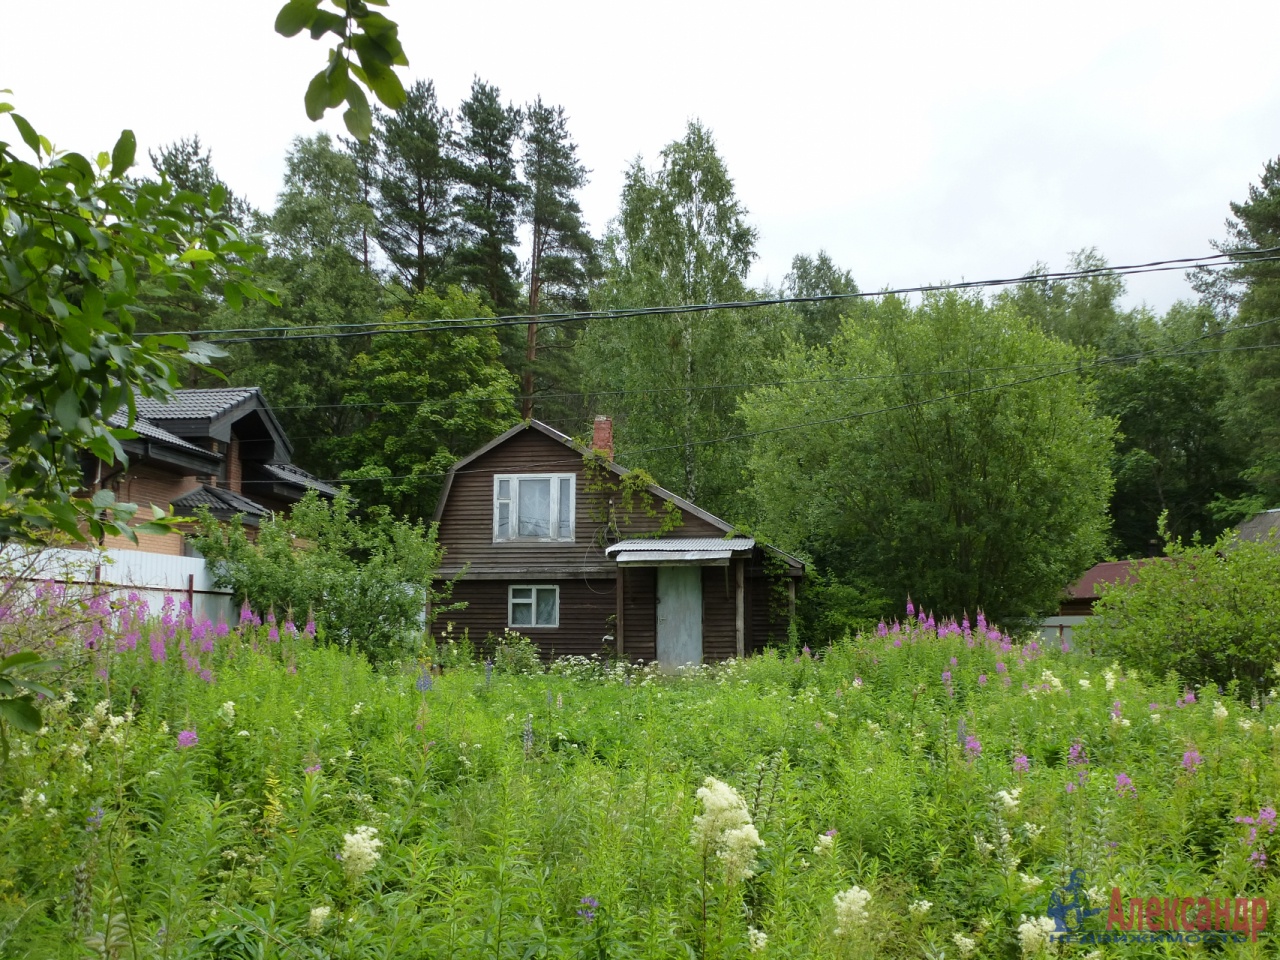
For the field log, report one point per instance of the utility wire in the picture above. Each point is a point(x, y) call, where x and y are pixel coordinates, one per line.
point(344, 331)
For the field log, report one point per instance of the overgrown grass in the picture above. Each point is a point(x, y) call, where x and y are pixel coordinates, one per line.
point(552, 815)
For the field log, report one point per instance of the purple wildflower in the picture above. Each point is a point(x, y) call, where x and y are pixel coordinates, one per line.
point(911, 607)
point(588, 909)
point(423, 683)
point(1071, 786)
point(946, 676)
point(1124, 786)
point(1116, 710)
point(1076, 756)
point(187, 738)
point(982, 679)
point(1191, 760)
point(314, 768)
point(1021, 763)
point(972, 748)
point(1000, 667)
point(94, 820)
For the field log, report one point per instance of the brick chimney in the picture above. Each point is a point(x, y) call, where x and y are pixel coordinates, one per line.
point(602, 437)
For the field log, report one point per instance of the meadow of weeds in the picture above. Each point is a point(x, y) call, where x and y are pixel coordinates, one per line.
point(923, 791)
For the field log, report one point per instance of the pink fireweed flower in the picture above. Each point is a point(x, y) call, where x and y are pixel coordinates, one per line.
point(273, 634)
point(1191, 760)
point(246, 614)
point(289, 628)
point(310, 628)
point(1021, 763)
point(982, 679)
point(972, 748)
point(955, 662)
point(1000, 667)
point(1071, 786)
point(1124, 786)
point(1076, 756)
point(1115, 710)
point(314, 768)
point(911, 607)
point(883, 629)
point(187, 738)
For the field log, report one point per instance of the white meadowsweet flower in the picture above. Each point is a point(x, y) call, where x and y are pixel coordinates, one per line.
point(1033, 934)
point(966, 945)
point(1110, 677)
point(982, 846)
point(1246, 725)
point(1219, 711)
point(738, 851)
point(756, 940)
point(724, 828)
point(360, 852)
point(1032, 830)
point(1009, 798)
point(1155, 718)
point(826, 843)
point(357, 707)
point(851, 909)
point(227, 712)
point(919, 908)
point(318, 917)
point(1084, 684)
point(1029, 882)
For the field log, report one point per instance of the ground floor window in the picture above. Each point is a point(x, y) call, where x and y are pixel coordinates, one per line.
point(533, 606)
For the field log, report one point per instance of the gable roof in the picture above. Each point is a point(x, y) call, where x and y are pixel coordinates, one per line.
point(1109, 573)
point(209, 412)
point(147, 429)
point(222, 502)
point(613, 467)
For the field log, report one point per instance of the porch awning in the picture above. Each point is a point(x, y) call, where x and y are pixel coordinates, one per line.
point(700, 551)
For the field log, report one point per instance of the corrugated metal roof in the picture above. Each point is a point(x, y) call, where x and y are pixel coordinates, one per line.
point(145, 428)
point(288, 473)
point(681, 544)
point(199, 404)
point(219, 498)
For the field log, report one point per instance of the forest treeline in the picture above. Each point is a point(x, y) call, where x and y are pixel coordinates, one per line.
point(975, 450)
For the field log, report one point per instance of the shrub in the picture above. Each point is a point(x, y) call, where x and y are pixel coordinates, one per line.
point(514, 654)
point(1211, 614)
point(366, 580)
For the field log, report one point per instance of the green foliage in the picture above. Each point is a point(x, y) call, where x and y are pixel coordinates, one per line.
point(938, 465)
point(81, 248)
point(818, 277)
point(365, 580)
point(420, 401)
point(1209, 614)
point(680, 237)
point(18, 691)
point(504, 809)
point(514, 654)
point(371, 36)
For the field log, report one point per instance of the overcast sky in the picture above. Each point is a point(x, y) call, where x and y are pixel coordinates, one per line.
point(915, 142)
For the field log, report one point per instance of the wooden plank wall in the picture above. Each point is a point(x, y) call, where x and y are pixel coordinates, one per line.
point(719, 613)
point(585, 609)
point(640, 613)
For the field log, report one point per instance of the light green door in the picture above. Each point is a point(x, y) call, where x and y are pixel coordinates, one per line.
point(679, 615)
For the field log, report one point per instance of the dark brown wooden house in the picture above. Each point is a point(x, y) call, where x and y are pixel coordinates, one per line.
point(561, 544)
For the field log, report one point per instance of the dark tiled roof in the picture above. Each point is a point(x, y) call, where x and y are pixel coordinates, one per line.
point(145, 428)
point(220, 499)
point(1261, 526)
point(195, 404)
point(288, 473)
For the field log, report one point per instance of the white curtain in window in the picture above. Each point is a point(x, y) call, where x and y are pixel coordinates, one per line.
point(535, 508)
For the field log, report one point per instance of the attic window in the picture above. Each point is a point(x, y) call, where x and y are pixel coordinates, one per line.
point(537, 506)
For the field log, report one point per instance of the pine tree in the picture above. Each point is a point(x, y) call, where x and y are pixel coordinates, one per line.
point(562, 254)
point(488, 199)
point(415, 188)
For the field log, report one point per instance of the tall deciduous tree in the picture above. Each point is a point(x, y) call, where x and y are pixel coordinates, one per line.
point(421, 401)
point(489, 195)
point(818, 277)
point(562, 254)
point(415, 188)
point(680, 237)
point(909, 462)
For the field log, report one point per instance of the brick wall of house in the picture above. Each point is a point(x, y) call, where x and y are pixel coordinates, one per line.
point(235, 468)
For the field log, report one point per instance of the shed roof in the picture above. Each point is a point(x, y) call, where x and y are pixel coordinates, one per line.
point(220, 500)
point(288, 473)
point(697, 550)
point(145, 428)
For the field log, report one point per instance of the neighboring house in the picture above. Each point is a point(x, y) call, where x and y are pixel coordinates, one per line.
point(1077, 605)
point(223, 449)
point(559, 543)
point(1260, 527)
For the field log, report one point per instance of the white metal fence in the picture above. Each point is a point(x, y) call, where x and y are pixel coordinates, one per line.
point(152, 576)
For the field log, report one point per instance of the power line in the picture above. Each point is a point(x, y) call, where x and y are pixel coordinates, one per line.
point(344, 331)
point(1062, 371)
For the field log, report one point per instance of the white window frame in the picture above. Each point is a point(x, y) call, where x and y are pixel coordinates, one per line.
point(513, 516)
point(533, 599)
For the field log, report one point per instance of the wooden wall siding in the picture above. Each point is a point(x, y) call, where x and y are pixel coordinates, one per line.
point(466, 524)
point(766, 618)
point(640, 613)
point(719, 613)
point(586, 607)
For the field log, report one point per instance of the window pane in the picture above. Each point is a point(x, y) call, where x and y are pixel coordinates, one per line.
point(504, 489)
point(522, 593)
point(566, 506)
point(547, 607)
point(522, 614)
point(535, 508)
point(504, 520)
